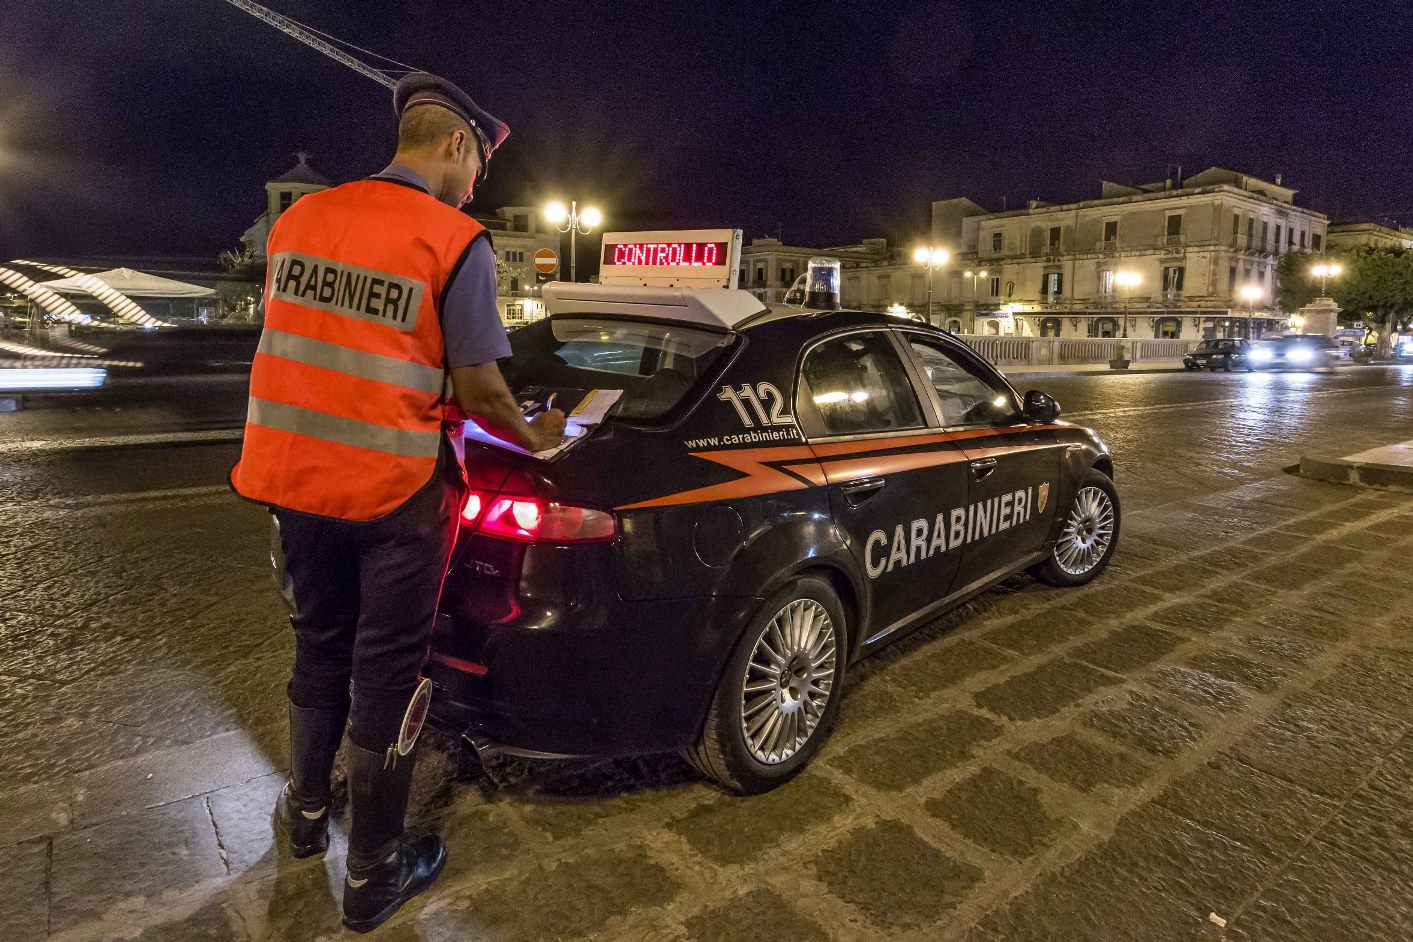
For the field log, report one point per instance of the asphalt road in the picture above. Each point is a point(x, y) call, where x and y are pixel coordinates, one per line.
point(1212, 741)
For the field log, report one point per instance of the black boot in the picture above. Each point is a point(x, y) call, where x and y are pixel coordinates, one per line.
point(302, 810)
point(385, 869)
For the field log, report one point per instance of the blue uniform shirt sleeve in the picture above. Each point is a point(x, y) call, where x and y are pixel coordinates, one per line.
point(471, 320)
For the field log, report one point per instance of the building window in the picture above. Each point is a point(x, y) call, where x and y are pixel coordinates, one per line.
point(515, 256)
point(1315, 241)
point(1049, 327)
point(1169, 328)
point(1111, 232)
point(1050, 284)
point(787, 275)
point(514, 285)
point(1302, 238)
point(954, 324)
point(520, 222)
point(760, 276)
point(996, 286)
point(1278, 237)
point(286, 200)
point(1174, 229)
point(1054, 237)
point(996, 243)
point(1172, 281)
point(1103, 327)
point(1231, 281)
point(1010, 289)
point(885, 284)
point(1106, 282)
point(1290, 237)
point(1265, 233)
point(1235, 228)
point(1250, 231)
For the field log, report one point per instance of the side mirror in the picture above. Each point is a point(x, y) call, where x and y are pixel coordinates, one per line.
point(1040, 407)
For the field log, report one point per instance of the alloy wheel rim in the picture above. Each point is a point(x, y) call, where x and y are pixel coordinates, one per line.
point(789, 680)
point(1089, 529)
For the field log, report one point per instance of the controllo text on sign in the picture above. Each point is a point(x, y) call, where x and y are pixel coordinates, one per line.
point(340, 288)
point(665, 254)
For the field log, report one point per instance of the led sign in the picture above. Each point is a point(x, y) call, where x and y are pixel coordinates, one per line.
point(679, 254)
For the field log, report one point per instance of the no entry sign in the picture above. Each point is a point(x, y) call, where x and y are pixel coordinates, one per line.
point(546, 261)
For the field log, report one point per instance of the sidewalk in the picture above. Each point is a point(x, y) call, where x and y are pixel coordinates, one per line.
point(1070, 369)
point(1389, 467)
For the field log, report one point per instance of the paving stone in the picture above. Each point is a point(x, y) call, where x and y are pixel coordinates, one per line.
point(1256, 675)
point(1282, 645)
point(1303, 621)
point(1192, 617)
point(477, 840)
point(68, 745)
point(1377, 679)
point(1146, 722)
point(916, 751)
point(217, 921)
point(1395, 774)
point(760, 914)
point(1101, 600)
point(1377, 827)
point(138, 856)
point(572, 899)
point(897, 879)
point(1323, 744)
point(52, 653)
point(1329, 894)
point(1185, 872)
point(1082, 764)
point(1044, 690)
point(732, 829)
point(1276, 543)
point(1127, 647)
point(1183, 577)
point(1197, 688)
point(874, 699)
point(1040, 632)
point(31, 811)
point(24, 903)
point(1285, 576)
point(998, 811)
point(942, 667)
point(1247, 805)
point(301, 901)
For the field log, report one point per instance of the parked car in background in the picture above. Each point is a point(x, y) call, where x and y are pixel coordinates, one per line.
point(1220, 354)
point(1296, 352)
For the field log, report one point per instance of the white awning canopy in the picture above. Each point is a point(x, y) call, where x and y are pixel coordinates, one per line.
point(133, 284)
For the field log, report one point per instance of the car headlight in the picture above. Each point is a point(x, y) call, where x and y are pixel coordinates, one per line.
point(1261, 355)
point(1300, 355)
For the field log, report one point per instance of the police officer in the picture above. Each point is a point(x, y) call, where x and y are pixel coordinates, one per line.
point(378, 292)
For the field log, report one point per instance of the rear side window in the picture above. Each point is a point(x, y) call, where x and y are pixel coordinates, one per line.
point(655, 365)
point(857, 384)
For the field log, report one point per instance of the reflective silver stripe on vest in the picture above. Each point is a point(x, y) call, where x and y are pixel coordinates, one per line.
point(334, 428)
point(360, 363)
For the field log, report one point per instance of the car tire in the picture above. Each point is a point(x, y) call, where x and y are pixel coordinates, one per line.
point(725, 751)
point(1081, 553)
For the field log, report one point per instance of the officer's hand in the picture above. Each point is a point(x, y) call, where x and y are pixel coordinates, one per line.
point(548, 429)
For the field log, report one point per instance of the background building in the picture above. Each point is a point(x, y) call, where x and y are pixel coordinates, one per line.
point(1349, 235)
point(1203, 249)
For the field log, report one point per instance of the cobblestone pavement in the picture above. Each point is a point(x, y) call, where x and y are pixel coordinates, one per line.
point(1220, 726)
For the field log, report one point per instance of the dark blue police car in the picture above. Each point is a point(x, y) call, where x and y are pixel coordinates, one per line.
point(776, 494)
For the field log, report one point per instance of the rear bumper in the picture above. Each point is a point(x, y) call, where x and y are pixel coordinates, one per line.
point(572, 669)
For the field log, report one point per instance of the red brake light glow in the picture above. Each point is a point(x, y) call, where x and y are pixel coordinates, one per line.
point(533, 520)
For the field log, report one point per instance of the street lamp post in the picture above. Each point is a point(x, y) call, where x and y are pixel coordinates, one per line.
point(1126, 280)
point(1326, 271)
point(573, 222)
point(1250, 294)
point(973, 275)
point(932, 259)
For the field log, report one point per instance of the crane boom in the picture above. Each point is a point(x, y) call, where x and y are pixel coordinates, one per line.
point(290, 28)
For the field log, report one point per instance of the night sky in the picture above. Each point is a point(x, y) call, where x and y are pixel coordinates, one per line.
point(149, 126)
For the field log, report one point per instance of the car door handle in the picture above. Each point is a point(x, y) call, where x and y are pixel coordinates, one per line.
point(981, 467)
point(857, 492)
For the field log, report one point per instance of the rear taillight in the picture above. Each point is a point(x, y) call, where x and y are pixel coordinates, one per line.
point(534, 520)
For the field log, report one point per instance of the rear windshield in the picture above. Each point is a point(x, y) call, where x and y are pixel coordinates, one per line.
point(655, 365)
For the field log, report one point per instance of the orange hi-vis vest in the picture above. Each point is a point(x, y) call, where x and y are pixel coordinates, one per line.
point(347, 386)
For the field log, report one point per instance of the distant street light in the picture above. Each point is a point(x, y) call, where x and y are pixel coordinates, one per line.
point(973, 275)
point(1126, 280)
point(931, 258)
point(1326, 271)
point(573, 222)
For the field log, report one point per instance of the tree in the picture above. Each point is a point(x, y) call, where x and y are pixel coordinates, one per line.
point(1295, 286)
point(1377, 284)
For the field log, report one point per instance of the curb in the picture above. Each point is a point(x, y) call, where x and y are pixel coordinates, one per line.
point(1389, 477)
point(1064, 373)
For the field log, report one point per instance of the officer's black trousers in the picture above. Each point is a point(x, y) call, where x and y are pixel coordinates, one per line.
point(365, 596)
